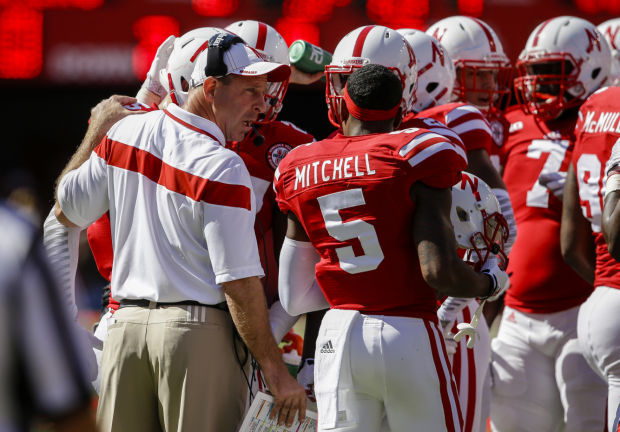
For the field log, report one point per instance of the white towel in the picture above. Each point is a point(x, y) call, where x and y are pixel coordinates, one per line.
point(332, 370)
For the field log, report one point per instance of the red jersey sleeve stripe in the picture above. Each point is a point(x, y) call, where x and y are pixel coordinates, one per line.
point(471, 125)
point(127, 157)
point(419, 140)
point(429, 151)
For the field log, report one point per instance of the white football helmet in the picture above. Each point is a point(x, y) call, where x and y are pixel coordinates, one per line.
point(564, 61)
point(479, 225)
point(176, 77)
point(364, 45)
point(269, 42)
point(483, 71)
point(611, 32)
point(435, 70)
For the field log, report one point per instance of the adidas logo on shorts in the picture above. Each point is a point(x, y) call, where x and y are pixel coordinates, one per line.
point(328, 348)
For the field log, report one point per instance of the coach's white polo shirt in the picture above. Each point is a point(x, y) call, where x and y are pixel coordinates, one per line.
point(181, 207)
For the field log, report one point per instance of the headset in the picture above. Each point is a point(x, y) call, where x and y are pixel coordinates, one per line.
point(218, 45)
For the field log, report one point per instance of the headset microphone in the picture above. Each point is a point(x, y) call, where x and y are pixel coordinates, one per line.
point(257, 138)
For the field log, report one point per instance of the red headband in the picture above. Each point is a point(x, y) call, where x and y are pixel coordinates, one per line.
point(366, 114)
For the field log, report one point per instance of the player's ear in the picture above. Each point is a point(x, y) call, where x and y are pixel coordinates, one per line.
point(398, 118)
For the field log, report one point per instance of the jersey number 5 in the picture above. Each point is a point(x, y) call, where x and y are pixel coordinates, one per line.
point(538, 195)
point(357, 228)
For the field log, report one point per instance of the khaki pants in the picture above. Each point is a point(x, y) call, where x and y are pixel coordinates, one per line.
point(171, 369)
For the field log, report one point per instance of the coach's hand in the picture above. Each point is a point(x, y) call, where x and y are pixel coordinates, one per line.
point(289, 395)
point(107, 112)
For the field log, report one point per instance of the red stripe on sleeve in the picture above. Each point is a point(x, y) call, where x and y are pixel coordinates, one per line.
point(197, 188)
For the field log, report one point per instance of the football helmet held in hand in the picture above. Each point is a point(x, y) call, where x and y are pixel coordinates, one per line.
point(479, 226)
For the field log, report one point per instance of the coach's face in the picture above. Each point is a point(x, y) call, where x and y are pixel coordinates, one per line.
point(237, 102)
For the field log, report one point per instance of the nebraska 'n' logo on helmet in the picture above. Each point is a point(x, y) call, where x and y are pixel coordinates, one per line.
point(593, 38)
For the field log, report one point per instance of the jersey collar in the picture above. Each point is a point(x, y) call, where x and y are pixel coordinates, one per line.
point(195, 123)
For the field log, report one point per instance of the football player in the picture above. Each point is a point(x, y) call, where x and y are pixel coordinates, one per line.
point(364, 45)
point(353, 203)
point(540, 379)
point(583, 239)
point(436, 78)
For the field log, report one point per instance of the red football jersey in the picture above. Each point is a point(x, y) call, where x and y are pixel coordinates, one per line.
point(541, 281)
point(352, 195)
point(261, 160)
point(499, 133)
point(467, 121)
point(598, 129)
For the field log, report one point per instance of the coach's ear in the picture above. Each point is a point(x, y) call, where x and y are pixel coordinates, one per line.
point(398, 118)
point(208, 88)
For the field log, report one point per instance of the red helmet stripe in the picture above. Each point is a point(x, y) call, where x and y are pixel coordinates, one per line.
point(542, 26)
point(262, 36)
point(488, 34)
point(361, 38)
point(200, 49)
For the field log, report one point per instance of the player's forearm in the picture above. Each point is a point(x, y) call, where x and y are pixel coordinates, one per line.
point(93, 136)
point(576, 241)
point(248, 309)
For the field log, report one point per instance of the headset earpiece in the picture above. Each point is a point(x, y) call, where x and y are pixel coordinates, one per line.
point(218, 45)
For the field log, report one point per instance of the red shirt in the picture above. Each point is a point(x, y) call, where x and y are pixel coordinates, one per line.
point(467, 121)
point(261, 160)
point(598, 128)
point(352, 195)
point(541, 281)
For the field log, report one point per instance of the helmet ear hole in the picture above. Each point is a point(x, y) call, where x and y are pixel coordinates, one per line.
point(431, 86)
point(184, 84)
point(595, 72)
point(462, 214)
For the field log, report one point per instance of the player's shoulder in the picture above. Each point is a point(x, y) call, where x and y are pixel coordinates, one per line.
point(288, 132)
point(518, 121)
point(415, 140)
point(603, 97)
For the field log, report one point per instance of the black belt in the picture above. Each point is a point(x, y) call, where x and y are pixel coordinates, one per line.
point(147, 303)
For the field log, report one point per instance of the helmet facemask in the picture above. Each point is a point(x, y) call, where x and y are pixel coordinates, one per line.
point(484, 84)
point(549, 85)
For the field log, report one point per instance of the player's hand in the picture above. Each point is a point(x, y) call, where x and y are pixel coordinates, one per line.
point(500, 280)
point(160, 61)
point(554, 181)
point(614, 158)
point(109, 111)
point(289, 397)
point(448, 337)
point(300, 77)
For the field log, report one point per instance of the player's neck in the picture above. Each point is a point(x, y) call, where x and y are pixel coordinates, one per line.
point(355, 127)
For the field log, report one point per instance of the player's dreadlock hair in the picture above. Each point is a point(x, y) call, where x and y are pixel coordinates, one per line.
point(375, 87)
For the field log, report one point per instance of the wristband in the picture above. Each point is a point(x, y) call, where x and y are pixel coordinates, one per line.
point(613, 182)
point(492, 286)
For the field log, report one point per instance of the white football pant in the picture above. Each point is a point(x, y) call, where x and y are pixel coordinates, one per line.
point(598, 329)
point(470, 368)
point(397, 365)
point(541, 381)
